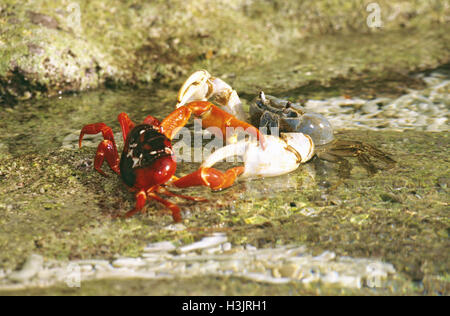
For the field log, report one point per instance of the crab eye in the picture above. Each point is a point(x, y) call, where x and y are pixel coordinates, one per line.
point(317, 127)
point(288, 112)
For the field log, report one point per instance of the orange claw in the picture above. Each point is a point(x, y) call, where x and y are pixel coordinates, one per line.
point(211, 115)
point(210, 177)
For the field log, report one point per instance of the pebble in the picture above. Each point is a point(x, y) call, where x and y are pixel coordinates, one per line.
point(269, 265)
point(213, 250)
point(128, 262)
point(31, 267)
point(325, 256)
point(175, 227)
point(163, 246)
point(310, 212)
point(250, 247)
point(206, 242)
point(226, 246)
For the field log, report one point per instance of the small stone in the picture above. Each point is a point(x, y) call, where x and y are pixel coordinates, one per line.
point(289, 270)
point(369, 107)
point(175, 227)
point(163, 246)
point(276, 273)
point(213, 250)
point(206, 242)
point(250, 247)
point(128, 263)
point(31, 267)
point(226, 246)
point(326, 256)
point(232, 265)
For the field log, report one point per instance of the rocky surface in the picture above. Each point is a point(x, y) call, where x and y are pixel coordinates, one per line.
point(388, 86)
point(211, 255)
point(48, 47)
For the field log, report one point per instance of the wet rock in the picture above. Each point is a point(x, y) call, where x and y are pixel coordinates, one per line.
point(206, 242)
point(43, 19)
point(30, 268)
point(72, 59)
point(128, 263)
point(163, 246)
point(175, 227)
point(289, 271)
point(271, 265)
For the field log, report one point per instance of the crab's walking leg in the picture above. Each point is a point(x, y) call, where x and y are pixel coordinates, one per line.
point(211, 116)
point(176, 212)
point(210, 177)
point(141, 199)
point(126, 124)
point(163, 190)
point(95, 129)
point(107, 150)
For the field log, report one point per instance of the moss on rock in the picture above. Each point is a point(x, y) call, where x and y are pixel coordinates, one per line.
point(51, 47)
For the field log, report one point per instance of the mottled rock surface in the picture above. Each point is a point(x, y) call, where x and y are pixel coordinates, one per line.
point(49, 47)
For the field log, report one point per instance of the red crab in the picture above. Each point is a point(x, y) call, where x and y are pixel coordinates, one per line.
point(148, 163)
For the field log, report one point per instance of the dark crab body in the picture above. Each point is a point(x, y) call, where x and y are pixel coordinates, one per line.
point(275, 115)
point(272, 113)
point(146, 151)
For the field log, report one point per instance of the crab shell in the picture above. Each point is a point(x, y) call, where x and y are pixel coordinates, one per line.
point(282, 154)
point(272, 112)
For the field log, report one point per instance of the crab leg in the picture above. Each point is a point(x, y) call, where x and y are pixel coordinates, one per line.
point(163, 190)
point(176, 212)
point(95, 129)
point(141, 199)
point(210, 177)
point(126, 124)
point(150, 120)
point(107, 150)
point(211, 115)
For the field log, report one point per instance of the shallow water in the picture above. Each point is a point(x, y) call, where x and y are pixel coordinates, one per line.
point(54, 205)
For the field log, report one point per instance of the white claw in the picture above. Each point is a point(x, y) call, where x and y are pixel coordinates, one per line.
point(201, 86)
point(195, 88)
point(262, 96)
point(282, 154)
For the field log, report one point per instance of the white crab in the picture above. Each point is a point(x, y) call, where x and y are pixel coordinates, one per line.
point(282, 154)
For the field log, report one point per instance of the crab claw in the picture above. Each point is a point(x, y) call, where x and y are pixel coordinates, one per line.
point(196, 87)
point(211, 116)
